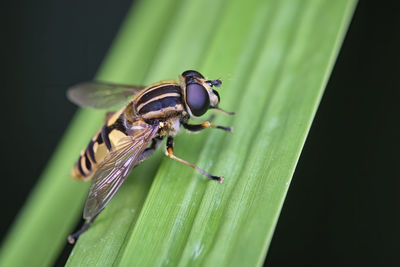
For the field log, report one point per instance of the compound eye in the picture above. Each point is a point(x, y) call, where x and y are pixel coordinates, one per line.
point(197, 99)
point(192, 73)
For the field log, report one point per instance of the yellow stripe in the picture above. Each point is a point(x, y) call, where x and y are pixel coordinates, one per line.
point(100, 152)
point(157, 98)
point(162, 113)
point(115, 136)
point(83, 165)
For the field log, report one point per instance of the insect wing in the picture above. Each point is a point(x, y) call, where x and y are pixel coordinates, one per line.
point(115, 168)
point(100, 94)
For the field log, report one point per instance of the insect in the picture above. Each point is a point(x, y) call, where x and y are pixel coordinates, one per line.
point(132, 134)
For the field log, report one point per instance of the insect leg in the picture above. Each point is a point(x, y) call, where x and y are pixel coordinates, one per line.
point(170, 153)
point(73, 237)
point(150, 150)
point(206, 124)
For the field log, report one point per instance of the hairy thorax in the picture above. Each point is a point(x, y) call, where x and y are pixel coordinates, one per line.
point(170, 127)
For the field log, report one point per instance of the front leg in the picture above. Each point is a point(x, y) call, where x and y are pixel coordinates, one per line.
point(170, 153)
point(204, 125)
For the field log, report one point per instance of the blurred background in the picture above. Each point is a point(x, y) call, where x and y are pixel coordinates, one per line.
point(343, 205)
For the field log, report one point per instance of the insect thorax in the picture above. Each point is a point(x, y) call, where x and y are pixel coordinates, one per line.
point(159, 103)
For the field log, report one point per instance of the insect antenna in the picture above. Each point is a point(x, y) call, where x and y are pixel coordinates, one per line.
point(224, 112)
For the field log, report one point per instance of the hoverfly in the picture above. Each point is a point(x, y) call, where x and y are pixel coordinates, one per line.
point(132, 134)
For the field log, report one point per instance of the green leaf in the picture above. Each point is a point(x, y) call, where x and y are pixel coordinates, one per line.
point(274, 58)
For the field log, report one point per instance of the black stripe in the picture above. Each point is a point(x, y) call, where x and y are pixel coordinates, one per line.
point(106, 130)
point(159, 91)
point(90, 151)
point(119, 125)
point(99, 139)
point(160, 104)
point(104, 136)
point(78, 163)
point(87, 162)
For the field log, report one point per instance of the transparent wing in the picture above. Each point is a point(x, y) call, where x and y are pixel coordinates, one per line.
point(115, 168)
point(100, 94)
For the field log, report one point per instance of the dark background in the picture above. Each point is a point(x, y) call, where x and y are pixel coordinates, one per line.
point(342, 207)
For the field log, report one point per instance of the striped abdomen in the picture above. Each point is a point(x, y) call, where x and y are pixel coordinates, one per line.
point(95, 152)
